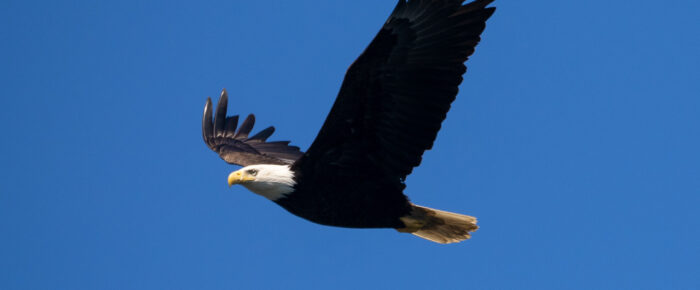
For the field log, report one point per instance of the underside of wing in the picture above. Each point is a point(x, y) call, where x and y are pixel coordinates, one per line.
point(236, 147)
point(397, 93)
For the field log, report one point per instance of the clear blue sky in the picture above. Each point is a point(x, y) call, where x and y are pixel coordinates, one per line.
point(574, 139)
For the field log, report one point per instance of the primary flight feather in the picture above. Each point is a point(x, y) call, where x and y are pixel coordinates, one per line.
point(387, 113)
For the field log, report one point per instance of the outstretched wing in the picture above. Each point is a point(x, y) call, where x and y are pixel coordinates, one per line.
point(236, 147)
point(397, 93)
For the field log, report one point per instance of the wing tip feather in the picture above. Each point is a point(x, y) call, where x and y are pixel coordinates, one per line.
point(207, 126)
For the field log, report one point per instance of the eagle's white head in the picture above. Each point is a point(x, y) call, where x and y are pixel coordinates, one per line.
point(270, 181)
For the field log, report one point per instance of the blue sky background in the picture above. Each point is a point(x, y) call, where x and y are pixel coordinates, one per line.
point(574, 140)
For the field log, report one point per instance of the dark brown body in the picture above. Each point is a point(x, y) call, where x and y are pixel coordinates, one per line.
point(349, 199)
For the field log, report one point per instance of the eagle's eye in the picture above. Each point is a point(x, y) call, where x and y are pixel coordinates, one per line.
point(253, 172)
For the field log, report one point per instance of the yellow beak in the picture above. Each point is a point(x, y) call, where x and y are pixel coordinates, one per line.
point(238, 177)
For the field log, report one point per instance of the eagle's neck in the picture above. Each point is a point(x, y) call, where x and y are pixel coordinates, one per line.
point(272, 181)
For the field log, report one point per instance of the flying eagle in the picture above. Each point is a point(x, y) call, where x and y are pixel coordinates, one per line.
point(388, 112)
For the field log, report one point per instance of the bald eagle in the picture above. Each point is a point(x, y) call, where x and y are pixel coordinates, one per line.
point(388, 112)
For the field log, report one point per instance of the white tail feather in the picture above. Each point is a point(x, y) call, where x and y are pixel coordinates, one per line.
point(439, 226)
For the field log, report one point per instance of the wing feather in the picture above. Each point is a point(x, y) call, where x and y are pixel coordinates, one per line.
point(246, 127)
point(397, 93)
point(235, 147)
